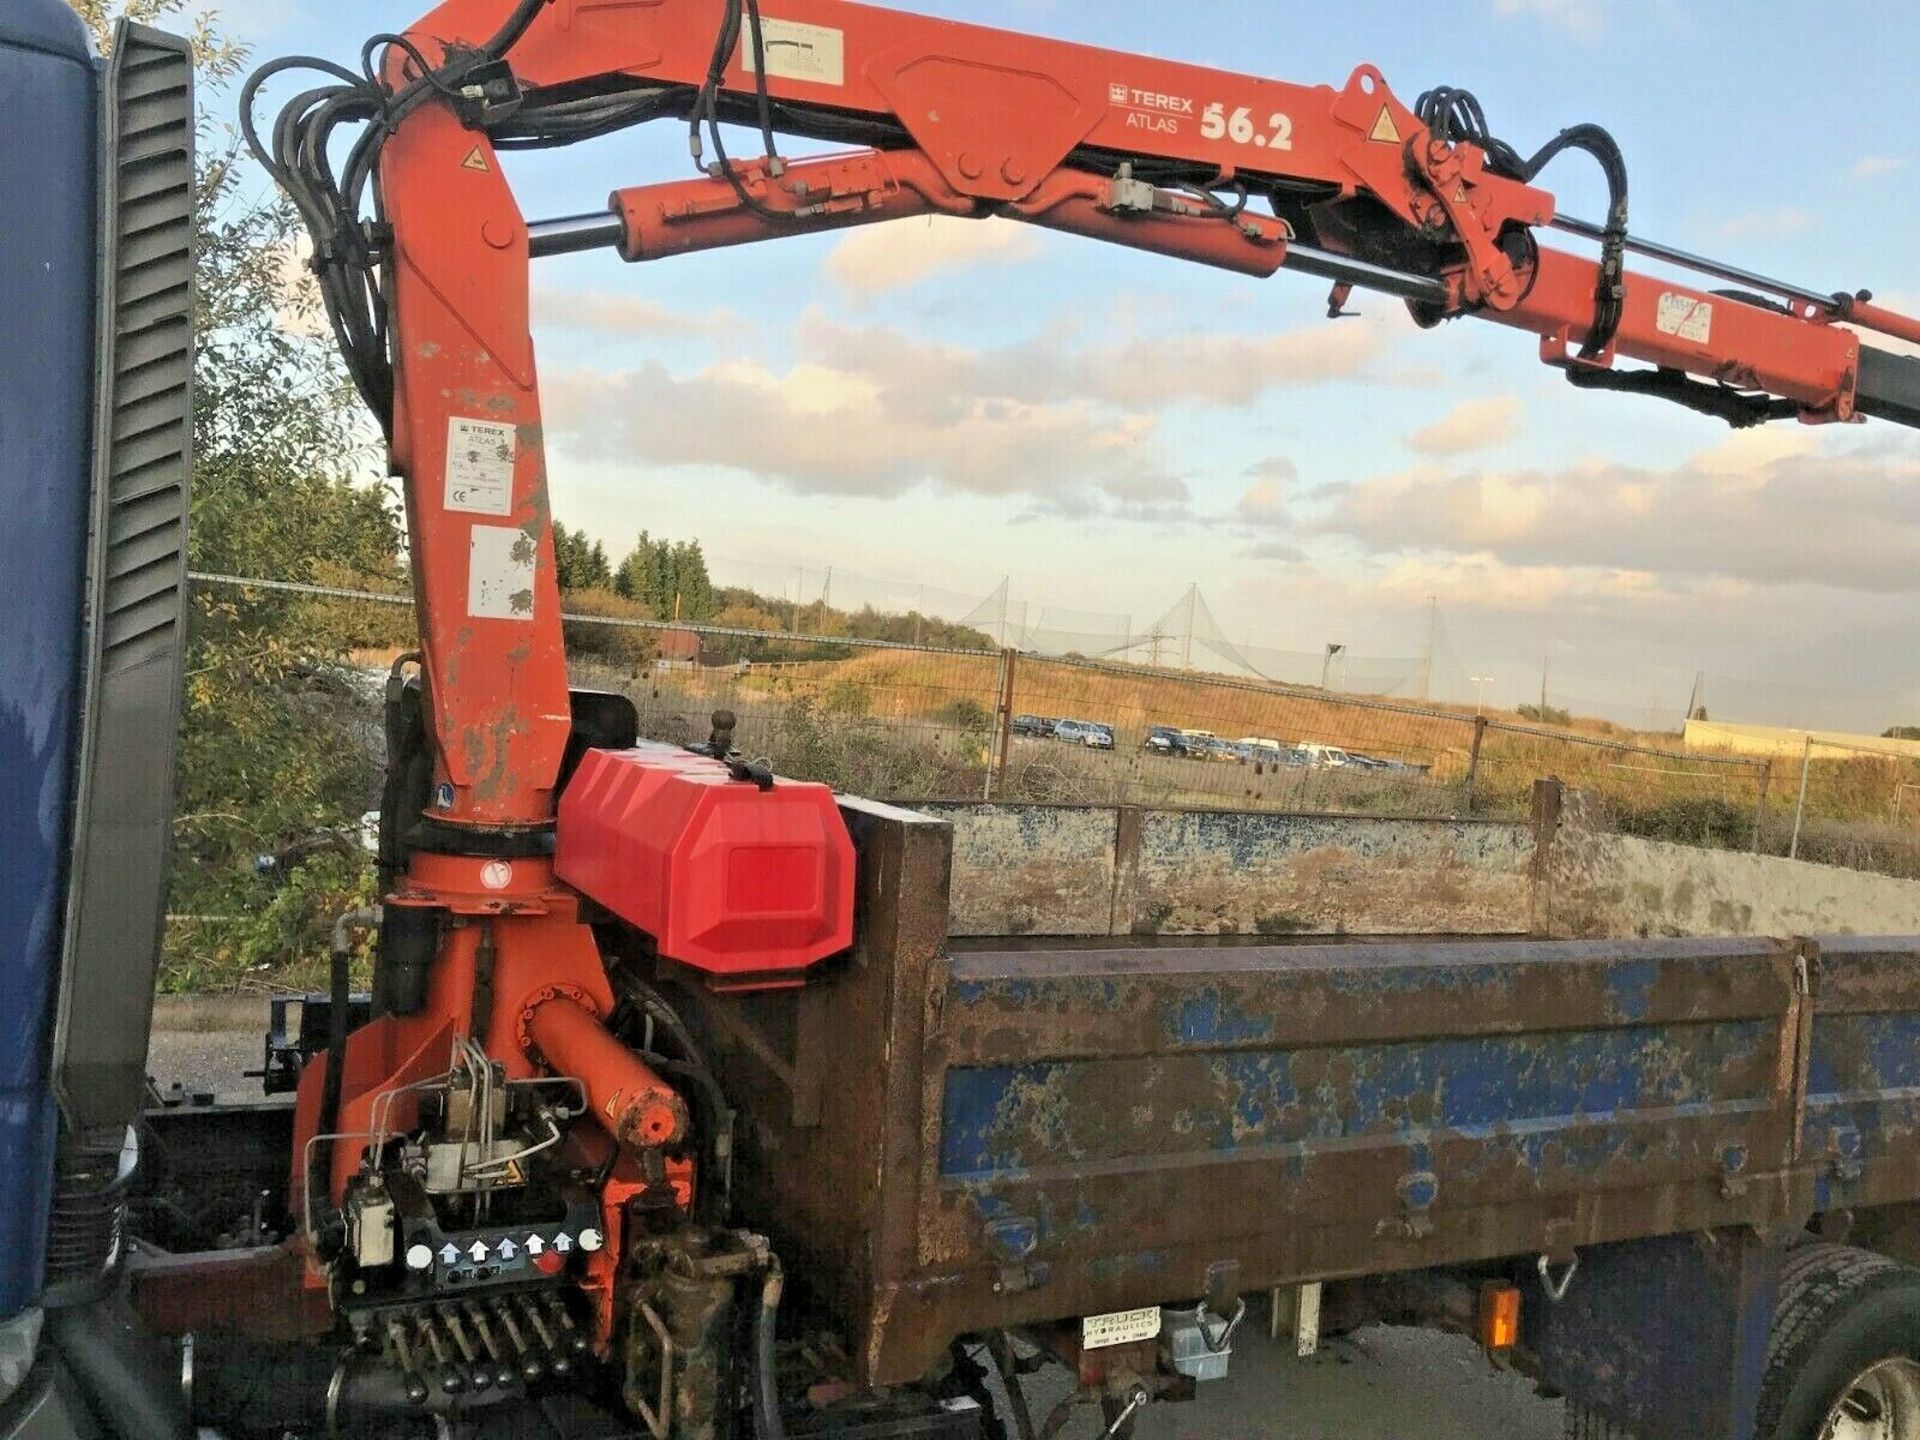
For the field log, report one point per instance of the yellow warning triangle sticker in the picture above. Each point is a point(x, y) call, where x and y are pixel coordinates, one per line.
point(1384, 130)
point(476, 160)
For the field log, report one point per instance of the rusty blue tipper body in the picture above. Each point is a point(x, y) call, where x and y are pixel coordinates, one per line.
point(966, 1139)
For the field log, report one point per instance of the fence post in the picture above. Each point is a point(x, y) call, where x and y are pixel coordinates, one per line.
point(1800, 806)
point(1473, 759)
point(1760, 801)
point(996, 780)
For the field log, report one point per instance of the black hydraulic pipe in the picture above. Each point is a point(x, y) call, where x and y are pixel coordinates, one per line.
point(767, 1424)
point(1672, 255)
point(340, 1003)
point(131, 1379)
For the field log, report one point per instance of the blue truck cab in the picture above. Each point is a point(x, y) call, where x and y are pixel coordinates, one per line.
point(48, 104)
point(95, 422)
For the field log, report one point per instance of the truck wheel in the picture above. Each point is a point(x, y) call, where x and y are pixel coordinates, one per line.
point(1843, 1361)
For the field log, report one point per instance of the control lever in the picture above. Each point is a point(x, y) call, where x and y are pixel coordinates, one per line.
point(530, 1367)
point(556, 1356)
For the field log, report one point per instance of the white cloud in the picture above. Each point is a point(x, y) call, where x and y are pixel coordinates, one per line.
point(1128, 371)
point(1471, 425)
point(612, 312)
point(904, 253)
point(1769, 224)
point(1769, 510)
point(1577, 17)
point(1070, 423)
point(820, 430)
point(1872, 167)
point(1482, 581)
point(1264, 503)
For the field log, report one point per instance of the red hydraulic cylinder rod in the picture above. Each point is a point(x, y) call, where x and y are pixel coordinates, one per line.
point(636, 1106)
point(827, 192)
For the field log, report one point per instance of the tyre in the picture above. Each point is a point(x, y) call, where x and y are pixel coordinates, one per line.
point(1843, 1359)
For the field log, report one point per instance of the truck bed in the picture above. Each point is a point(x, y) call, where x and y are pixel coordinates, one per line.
point(961, 1142)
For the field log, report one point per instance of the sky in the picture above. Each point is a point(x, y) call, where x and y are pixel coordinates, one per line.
point(952, 403)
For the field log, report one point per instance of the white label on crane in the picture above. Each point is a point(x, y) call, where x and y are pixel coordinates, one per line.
point(500, 562)
point(1119, 1327)
point(815, 53)
point(480, 455)
point(1686, 317)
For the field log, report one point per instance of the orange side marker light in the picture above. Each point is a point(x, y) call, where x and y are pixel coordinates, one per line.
point(1499, 1316)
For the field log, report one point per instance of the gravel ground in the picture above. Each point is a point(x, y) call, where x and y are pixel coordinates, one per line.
point(1379, 1384)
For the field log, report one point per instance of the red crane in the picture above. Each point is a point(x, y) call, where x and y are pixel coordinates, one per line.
point(423, 259)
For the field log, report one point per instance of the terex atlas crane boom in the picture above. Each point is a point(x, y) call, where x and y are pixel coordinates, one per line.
point(523, 1159)
point(430, 297)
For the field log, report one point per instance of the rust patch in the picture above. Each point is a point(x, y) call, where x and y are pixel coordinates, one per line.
point(1301, 875)
point(1596, 884)
point(492, 750)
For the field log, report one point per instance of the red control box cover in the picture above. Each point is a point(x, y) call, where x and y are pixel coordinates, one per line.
point(751, 886)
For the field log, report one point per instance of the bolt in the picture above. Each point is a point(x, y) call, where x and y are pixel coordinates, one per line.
point(497, 233)
point(970, 166)
point(1014, 173)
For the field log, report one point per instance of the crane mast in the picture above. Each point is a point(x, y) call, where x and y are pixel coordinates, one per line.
point(519, 812)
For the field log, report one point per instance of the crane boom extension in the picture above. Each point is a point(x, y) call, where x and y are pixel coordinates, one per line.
point(951, 118)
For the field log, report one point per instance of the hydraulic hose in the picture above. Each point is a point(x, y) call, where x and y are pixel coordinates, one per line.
point(340, 1004)
point(767, 1424)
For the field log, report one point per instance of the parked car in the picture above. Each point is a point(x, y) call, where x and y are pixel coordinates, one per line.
point(1328, 755)
point(1259, 747)
point(1195, 744)
point(1090, 733)
point(1034, 727)
point(1164, 740)
point(1397, 767)
point(1214, 748)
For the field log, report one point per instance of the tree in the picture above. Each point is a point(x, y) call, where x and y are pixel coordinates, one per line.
point(1901, 732)
point(579, 563)
point(274, 740)
point(670, 578)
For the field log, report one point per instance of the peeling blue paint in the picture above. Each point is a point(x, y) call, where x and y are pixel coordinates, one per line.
point(1207, 1019)
point(1549, 1095)
point(1863, 1085)
point(1630, 984)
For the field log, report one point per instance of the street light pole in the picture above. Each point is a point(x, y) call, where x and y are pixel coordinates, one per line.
point(1480, 693)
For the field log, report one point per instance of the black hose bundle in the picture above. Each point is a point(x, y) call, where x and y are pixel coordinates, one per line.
point(1455, 115)
point(341, 207)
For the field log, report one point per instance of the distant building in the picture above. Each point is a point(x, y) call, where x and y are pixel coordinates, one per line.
point(1778, 742)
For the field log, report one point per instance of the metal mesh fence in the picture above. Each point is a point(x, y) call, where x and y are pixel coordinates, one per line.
point(904, 722)
point(1847, 804)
